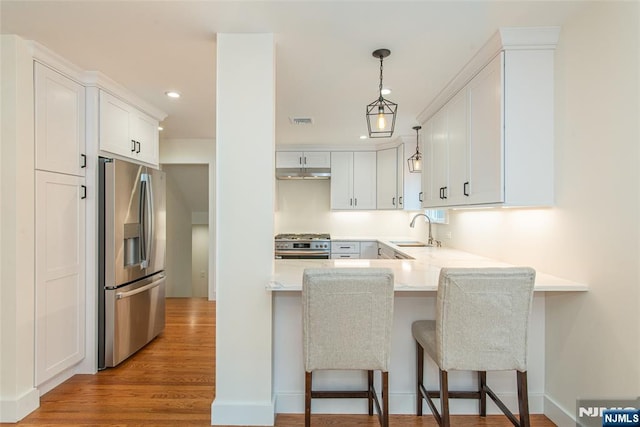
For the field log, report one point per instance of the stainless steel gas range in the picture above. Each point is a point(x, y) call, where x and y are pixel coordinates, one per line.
point(303, 246)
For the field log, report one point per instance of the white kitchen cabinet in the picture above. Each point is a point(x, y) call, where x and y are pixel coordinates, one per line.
point(59, 122)
point(389, 181)
point(435, 178)
point(127, 131)
point(59, 273)
point(353, 180)
point(345, 250)
point(497, 127)
point(385, 252)
point(303, 159)
point(369, 249)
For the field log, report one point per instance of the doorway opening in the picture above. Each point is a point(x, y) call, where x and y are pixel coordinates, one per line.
point(187, 258)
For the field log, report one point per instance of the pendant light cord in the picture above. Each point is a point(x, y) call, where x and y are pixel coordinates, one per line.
point(380, 88)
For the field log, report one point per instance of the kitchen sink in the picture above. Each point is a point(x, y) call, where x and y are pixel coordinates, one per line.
point(409, 244)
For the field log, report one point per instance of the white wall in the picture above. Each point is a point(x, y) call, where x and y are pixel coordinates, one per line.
point(178, 256)
point(304, 206)
point(199, 259)
point(592, 235)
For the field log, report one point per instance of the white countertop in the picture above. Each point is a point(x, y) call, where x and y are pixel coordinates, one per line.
point(418, 274)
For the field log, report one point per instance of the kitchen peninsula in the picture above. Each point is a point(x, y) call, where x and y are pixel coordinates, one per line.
point(416, 281)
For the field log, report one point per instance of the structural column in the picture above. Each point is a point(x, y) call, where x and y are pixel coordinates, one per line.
point(245, 133)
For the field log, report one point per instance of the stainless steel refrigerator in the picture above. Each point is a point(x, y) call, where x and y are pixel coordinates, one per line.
point(131, 294)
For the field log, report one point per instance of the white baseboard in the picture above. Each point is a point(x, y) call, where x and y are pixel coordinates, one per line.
point(400, 403)
point(56, 380)
point(557, 414)
point(244, 414)
point(12, 411)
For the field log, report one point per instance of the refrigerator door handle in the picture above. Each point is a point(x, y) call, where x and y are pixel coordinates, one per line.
point(154, 284)
point(146, 219)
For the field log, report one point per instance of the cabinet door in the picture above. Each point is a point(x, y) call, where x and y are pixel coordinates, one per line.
point(412, 182)
point(436, 148)
point(115, 126)
point(458, 181)
point(485, 135)
point(364, 179)
point(59, 273)
point(289, 159)
point(145, 135)
point(342, 180)
point(59, 122)
point(386, 177)
point(369, 250)
point(316, 159)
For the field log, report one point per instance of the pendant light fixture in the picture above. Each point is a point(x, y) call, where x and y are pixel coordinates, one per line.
point(415, 161)
point(381, 113)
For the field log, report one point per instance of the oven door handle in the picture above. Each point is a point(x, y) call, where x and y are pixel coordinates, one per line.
point(302, 253)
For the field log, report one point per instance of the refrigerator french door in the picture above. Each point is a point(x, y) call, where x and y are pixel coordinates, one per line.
point(131, 297)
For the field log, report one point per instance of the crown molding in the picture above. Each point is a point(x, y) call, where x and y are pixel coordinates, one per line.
point(505, 39)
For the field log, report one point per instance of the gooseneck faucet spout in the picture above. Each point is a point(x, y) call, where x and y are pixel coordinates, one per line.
point(413, 224)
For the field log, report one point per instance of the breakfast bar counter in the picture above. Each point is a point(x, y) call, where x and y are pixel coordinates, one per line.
point(416, 282)
point(418, 274)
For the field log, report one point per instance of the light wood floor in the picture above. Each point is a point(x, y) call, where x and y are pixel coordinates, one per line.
point(171, 383)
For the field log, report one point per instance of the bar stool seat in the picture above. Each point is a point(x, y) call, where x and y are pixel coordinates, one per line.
point(482, 320)
point(347, 318)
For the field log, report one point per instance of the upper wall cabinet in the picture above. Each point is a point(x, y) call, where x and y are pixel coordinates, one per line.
point(59, 122)
point(389, 178)
point(127, 131)
point(490, 142)
point(300, 159)
point(353, 180)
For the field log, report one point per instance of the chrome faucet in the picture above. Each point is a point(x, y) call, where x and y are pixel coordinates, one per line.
point(413, 224)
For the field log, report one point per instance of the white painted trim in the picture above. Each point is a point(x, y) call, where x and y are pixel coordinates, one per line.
point(401, 403)
point(506, 38)
point(557, 414)
point(47, 57)
point(248, 414)
point(57, 379)
point(12, 411)
point(97, 79)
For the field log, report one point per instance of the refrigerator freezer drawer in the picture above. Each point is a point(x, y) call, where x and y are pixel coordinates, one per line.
point(138, 316)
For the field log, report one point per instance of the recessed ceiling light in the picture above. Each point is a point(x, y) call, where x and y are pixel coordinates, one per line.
point(363, 136)
point(172, 94)
point(160, 128)
point(385, 91)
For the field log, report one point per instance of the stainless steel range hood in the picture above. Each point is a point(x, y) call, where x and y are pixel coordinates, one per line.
point(303, 173)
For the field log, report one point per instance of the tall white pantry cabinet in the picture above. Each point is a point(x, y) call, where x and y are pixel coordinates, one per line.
point(60, 193)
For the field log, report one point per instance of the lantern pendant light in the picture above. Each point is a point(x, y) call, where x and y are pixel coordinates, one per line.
point(381, 113)
point(415, 161)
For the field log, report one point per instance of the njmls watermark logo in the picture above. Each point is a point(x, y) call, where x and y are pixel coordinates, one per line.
point(608, 413)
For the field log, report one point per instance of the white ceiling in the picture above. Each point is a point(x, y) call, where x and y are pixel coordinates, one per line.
point(324, 65)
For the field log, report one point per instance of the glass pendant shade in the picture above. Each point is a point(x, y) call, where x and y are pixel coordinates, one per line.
point(415, 161)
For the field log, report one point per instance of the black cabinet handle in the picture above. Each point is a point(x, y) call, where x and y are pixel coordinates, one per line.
point(138, 150)
point(355, 201)
point(84, 161)
point(444, 192)
point(133, 146)
point(379, 249)
point(441, 189)
point(350, 202)
point(400, 200)
point(465, 189)
point(393, 201)
point(300, 161)
point(84, 192)
point(420, 197)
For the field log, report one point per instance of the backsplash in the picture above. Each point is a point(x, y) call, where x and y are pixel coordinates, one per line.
point(304, 206)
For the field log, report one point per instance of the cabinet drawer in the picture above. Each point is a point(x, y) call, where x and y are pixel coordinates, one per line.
point(345, 248)
point(345, 256)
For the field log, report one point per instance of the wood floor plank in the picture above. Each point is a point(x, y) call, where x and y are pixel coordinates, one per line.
point(171, 382)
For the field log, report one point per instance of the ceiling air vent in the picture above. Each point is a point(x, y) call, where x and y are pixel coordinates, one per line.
point(301, 120)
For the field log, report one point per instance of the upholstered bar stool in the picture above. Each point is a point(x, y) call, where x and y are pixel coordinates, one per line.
point(347, 316)
point(482, 320)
